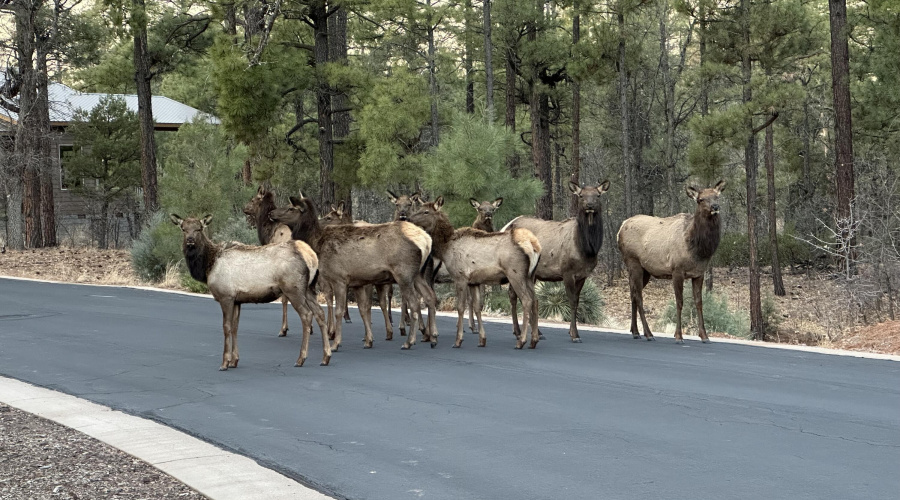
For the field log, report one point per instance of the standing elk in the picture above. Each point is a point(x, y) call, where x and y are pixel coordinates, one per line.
point(404, 206)
point(570, 248)
point(258, 209)
point(353, 256)
point(474, 257)
point(485, 222)
point(240, 274)
point(335, 217)
point(677, 248)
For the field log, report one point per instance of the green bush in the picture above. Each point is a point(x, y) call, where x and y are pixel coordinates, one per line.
point(771, 317)
point(158, 246)
point(734, 250)
point(496, 300)
point(192, 285)
point(716, 315)
point(553, 303)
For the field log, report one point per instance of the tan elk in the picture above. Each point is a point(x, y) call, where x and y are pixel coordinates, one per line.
point(239, 274)
point(676, 248)
point(337, 216)
point(474, 257)
point(404, 206)
point(353, 256)
point(258, 209)
point(570, 248)
point(484, 220)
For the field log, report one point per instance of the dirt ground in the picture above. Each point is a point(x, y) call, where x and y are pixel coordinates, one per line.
point(814, 311)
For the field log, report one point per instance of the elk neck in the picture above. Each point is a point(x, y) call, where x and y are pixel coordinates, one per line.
point(200, 257)
point(703, 234)
point(307, 228)
point(441, 234)
point(265, 227)
point(589, 233)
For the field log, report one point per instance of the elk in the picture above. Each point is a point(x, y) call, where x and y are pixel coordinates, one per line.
point(337, 216)
point(258, 209)
point(677, 248)
point(353, 256)
point(570, 248)
point(485, 222)
point(474, 257)
point(404, 206)
point(239, 274)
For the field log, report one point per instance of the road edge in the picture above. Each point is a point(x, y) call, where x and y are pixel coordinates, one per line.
point(214, 472)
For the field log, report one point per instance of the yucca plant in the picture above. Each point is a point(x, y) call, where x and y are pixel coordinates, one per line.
point(716, 315)
point(553, 303)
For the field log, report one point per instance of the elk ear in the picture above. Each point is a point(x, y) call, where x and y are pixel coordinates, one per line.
point(392, 196)
point(295, 201)
point(497, 202)
point(692, 192)
point(417, 198)
point(340, 209)
point(720, 186)
point(603, 187)
point(261, 190)
point(474, 203)
point(574, 188)
point(300, 193)
point(176, 219)
point(439, 202)
point(206, 220)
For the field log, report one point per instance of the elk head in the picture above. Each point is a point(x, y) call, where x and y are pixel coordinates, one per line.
point(191, 229)
point(486, 209)
point(428, 215)
point(405, 205)
point(707, 199)
point(336, 216)
point(589, 198)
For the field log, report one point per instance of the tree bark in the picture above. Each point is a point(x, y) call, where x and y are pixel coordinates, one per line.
point(432, 84)
point(777, 282)
point(704, 109)
point(32, 201)
point(576, 122)
point(488, 63)
point(319, 17)
point(467, 58)
point(668, 109)
point(44, 150)
point(539, 104)
point(337, 42)
point(624, 119)
point(510, 119)
point(142, 78)
point(843, 131)
point(751, 166)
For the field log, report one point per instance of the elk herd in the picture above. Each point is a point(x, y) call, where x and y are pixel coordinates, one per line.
point(302, 253)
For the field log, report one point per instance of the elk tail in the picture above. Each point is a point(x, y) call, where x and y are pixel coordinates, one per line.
point(510, 223)
point(528, 242)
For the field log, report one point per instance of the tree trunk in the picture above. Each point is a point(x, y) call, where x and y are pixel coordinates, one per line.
point(467, 58)
point(576, 122)
point(142, 77)
point(510, 120)
point(751, 166)
point(337, 41)
point(540, 148)
point(319, 16)
point(777, 282)
point(843, 131)
point(432, 84)
point(32, 202)
point(704, 109)
point(488, 63)
point(668, 109)
point(44, 150)
point(247, 172)
point(624, 119)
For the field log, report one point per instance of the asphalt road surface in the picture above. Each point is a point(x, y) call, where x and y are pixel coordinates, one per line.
point(609, 418)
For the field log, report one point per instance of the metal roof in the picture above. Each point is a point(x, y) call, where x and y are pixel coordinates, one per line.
point(65, 101)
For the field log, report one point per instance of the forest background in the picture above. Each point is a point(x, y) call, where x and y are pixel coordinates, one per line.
point(483, 99)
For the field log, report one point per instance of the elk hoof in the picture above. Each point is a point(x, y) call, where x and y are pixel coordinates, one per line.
point(223, 368)
point(482, 343)
point(705, 341)
point(635, 336)
point(300, 362)
point(576, 340)
point(533, 344)
point(541, 336)
point(519, 344)
point(651, 338)
point(402, 332)
point(347, 320)
point(325, 361)
point(233, 364)
point(679, 341)
point(405, 347)
point(433, 343)
point(368, 345)
point(282, 333)
point(389, 338)
point(457, 345)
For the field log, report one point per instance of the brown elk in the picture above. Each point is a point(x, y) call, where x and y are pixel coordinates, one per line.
point(676, 248)
point(258, 209)
point(239, 274)
point(570, 248)
point(337, 216)
point(353, 256)
point(404, 206)
point(485, 222)
point(474, 257)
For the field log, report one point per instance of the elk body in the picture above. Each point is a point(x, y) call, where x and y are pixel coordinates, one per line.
point(676, 248)
point(335, 217)
point(240, 274)
point(474, 257)
point(570, 248)
point(353, 256)
point(485, 222)
point(404, 206)
point(258, 209)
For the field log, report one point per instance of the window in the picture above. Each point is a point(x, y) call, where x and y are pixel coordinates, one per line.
point(64, 152)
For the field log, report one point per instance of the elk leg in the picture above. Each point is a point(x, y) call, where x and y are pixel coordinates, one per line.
point(284, 324)
point(329, 301)
point(697, 283)
point(347, 309)
point(404, 315)
point(482, 339)
point(340, 304)
point(316, 310)
point(227, 320)
point(235, 355)
point(408, 295)
point(364, 303)
point(516, 283)
point(462, 300)
point(638, 278)
point(427, 295)
point(678, 284)
point(573, 291)
point(473, 297)
point(384, 300)
point(514, 312)
point(305, 314)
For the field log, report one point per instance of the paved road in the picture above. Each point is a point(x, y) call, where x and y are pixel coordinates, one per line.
point(610, 418)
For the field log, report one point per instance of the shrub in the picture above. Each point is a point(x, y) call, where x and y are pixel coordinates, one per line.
point(192, 285)
point(716, 314)
point(158, 246)
point(496, 300)
point(771, 318)
point(553, 303)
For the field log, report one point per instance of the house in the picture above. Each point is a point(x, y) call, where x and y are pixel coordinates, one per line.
point(168, 115)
